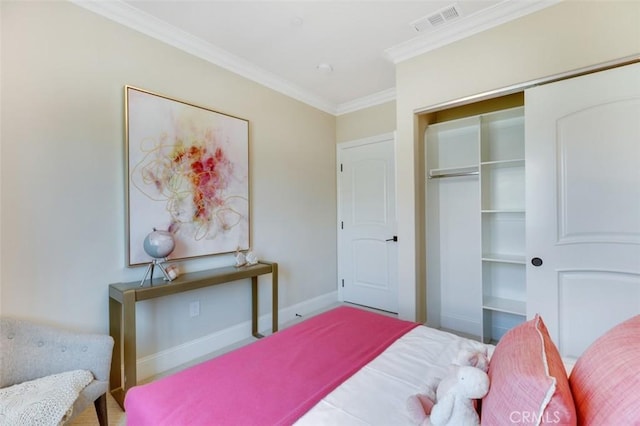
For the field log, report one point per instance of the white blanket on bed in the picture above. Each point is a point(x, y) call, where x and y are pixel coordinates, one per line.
point(377, 394)
point(44, 402)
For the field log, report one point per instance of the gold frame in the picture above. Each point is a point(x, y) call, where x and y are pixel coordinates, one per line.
point(187, 172)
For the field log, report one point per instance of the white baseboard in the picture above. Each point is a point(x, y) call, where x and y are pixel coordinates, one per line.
point(310, 306)
point(160, 362)
point(464, 325)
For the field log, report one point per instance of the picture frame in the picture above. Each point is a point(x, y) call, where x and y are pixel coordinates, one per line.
point(187, 172)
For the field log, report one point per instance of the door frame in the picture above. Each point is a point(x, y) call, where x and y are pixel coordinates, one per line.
point(340, 147)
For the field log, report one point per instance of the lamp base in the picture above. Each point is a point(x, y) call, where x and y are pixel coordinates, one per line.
point(152, 265)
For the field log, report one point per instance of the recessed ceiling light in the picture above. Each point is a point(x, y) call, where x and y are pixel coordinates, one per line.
point(324, 67)
point(297, 21)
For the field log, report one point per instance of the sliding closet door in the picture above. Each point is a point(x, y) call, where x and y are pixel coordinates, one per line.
point(583, 204)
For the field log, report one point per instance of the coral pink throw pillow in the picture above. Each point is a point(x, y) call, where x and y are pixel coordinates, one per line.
point(529, 384)
point(606, 378)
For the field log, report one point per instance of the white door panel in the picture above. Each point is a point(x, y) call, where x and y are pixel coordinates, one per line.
point(366, 273)
point(369, 189)
point(583, 204)
point(367, 254)
point(576, 291)
point(588, 141)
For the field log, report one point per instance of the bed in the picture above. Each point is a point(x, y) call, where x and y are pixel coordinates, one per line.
point(349, 366)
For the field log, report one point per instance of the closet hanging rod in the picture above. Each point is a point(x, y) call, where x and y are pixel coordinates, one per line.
point(456, 174)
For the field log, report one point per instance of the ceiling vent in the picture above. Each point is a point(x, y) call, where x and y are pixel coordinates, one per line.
point(436, 19)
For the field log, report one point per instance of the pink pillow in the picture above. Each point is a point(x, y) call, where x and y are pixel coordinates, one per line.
point(606, 378)
point(529, 384)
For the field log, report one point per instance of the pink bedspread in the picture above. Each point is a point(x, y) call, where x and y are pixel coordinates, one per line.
point(273, 381)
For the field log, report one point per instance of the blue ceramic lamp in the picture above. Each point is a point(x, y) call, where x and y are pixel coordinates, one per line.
point(158, 245)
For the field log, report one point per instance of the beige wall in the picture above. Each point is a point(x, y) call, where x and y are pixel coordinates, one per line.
point(62, 152)
point(558, 39)
point(364, 123)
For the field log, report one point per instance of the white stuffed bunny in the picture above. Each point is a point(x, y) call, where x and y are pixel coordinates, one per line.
point(467, 357)
point(420, 406)
point(456, 407)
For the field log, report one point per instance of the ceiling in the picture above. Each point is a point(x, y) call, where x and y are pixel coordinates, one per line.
point(282, 43)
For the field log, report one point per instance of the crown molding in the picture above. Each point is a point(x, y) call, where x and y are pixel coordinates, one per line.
point(499, 14)
point(367, 101)
point(135, 19)
point(151, 26)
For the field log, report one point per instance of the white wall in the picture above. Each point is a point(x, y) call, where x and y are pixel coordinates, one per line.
point(561, 38)
point(62, 165)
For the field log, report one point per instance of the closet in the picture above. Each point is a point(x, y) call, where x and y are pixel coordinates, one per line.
point(476, 222)
point(550, 226)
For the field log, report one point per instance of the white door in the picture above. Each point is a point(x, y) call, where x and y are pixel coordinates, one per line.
point(583, 204)
point(367, 249)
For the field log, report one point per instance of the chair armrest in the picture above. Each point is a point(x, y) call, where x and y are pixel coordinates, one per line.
point(29, 351)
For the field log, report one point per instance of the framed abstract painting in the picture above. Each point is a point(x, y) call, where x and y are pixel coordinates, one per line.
point(187, 170)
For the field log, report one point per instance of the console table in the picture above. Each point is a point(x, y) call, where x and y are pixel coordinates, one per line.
point(122, 312)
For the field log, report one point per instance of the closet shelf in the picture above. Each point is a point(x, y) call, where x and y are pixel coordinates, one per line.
point(502, 211)
point(504, 258)
point(516, 162)
point(509, 306)
point(453, 172)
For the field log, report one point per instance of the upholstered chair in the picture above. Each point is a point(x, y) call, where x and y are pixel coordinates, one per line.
point(30, 351)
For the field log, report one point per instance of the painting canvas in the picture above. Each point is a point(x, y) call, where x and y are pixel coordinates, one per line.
point(187, 173)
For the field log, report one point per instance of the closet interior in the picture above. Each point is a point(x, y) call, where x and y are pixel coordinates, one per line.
point(475, 217)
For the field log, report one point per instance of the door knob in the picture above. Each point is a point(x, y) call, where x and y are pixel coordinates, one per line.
point(536, 261)
point(395, 238)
